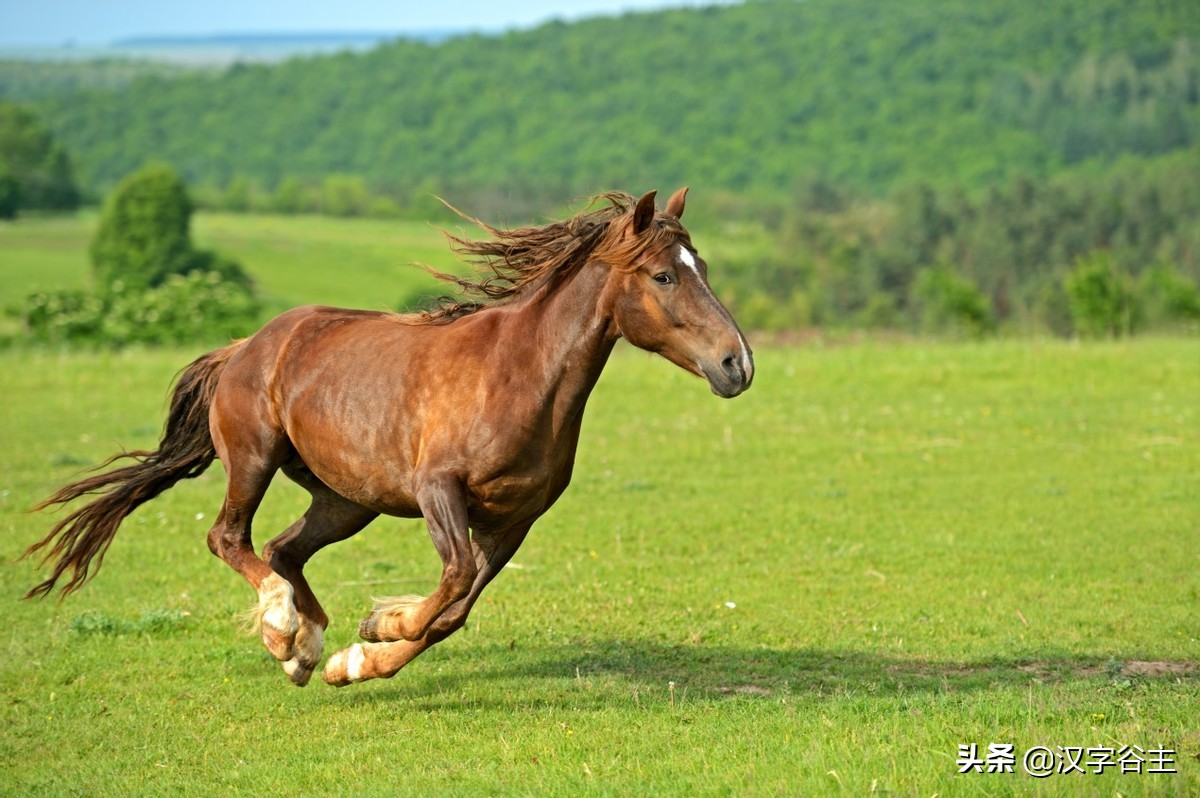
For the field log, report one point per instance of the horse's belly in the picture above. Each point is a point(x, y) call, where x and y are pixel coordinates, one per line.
point(378, 483)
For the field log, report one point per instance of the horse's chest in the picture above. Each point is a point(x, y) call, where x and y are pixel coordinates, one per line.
point(522, 488)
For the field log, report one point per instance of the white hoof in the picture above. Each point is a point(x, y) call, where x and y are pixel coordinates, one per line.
point(345, 667)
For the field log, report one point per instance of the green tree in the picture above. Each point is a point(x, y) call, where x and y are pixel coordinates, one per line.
point(238, 195)
point(1166, 297)
point(288, 196)
point(144, 233)
point(345, 195)
point(946, 302)
point(10, 195)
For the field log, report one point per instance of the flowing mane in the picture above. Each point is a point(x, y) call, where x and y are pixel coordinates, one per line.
point(511, 261)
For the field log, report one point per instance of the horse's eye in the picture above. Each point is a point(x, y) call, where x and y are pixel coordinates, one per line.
point(663, 278)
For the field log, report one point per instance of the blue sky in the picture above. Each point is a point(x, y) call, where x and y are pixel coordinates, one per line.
point(98, 22)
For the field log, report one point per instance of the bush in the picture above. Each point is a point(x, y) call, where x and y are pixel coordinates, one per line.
point(199, 306)
point(64, 316)
point(144, 231)
point(205, 261)
point(1167, 298)
point(945, 302)
point(194, 307)
point(1099, 297)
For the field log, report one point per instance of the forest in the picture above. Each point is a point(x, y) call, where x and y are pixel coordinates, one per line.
point(931, 164)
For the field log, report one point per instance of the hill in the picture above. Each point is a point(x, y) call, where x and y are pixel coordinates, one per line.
point(748, 98)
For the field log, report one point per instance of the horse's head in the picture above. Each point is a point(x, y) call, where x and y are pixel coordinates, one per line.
point(664, 304)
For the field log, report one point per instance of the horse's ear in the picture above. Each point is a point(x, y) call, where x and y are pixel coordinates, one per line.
point(643, 213)
point(675, 203)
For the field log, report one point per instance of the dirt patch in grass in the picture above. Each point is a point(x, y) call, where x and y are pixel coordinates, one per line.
point(1157, 668)
point(744, 689)
point(1148, 668)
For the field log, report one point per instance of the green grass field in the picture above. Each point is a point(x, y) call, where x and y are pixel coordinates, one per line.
point(878, 554)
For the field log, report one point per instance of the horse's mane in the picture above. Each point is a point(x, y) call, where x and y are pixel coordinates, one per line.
point(511, 261)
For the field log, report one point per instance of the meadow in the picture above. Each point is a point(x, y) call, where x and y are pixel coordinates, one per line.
point(884, 551)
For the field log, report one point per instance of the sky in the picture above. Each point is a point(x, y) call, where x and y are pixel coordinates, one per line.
point(100, 22)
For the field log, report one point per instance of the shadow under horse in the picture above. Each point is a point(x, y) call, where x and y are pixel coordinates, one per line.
point(468, 416)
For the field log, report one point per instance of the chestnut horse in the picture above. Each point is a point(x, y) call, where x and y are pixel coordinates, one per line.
point(468, 416)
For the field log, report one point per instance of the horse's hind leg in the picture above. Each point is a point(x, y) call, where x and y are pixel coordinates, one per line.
point(251, 449)
point(329, 518)
point(230, 539)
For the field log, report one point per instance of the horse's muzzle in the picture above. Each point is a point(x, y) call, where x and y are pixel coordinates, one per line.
point(733, 375)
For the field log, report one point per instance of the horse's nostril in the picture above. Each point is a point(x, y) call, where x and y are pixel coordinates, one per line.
point(731, 367)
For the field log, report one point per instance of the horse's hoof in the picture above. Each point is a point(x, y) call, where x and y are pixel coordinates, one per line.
point(368, 629)
point(298, 672)
point(344, 667)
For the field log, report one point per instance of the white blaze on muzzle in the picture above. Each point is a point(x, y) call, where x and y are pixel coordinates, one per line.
point(689, 260)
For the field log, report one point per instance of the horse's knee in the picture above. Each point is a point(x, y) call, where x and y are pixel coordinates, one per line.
point(459, 576)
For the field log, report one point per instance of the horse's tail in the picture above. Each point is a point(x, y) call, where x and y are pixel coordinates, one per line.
point(185, 451)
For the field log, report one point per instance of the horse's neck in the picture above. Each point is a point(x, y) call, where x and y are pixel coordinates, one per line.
point(576, 337)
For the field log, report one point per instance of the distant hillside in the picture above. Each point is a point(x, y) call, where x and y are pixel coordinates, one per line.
point(867, 93)
point(227, 48)
point(218, 49)
point(37, 75)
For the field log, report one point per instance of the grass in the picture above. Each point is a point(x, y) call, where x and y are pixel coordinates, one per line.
point(44, 253)
point(924, 546)
point(882, 552)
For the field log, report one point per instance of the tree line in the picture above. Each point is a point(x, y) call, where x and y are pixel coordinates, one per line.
point(1078, 254)
point(746, 98)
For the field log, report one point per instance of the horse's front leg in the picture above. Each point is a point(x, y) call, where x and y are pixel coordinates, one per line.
point(443, 503)
point(383, 658)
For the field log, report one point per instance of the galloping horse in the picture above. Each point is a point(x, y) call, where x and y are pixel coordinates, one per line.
point(468, 416)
